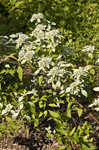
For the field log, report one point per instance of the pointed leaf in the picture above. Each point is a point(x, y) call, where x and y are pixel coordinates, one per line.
point(20, 72)
point(54, 114)
point(40, 80)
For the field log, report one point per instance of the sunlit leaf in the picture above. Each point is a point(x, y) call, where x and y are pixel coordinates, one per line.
point(20, 72)
point(53, 105)
point(54, 114)
point(40, 80)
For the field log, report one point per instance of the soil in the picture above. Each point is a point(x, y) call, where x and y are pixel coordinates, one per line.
point(22, 140)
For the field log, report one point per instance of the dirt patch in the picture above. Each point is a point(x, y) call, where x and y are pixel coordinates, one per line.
point(25, 141)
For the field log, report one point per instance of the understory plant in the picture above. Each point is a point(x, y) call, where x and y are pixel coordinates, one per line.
point(40, 77)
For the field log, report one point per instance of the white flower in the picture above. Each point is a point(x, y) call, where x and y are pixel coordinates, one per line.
point(95, 103)
point(51, 34)
point(68, 89)
point(20, 98)
point(14, 113)
point(20, 107)
point(89, 48)
point(77, 73)
point(97, 109)
point(45, 62)
point(48, 129)
point(96, 89)
point(21, 39)
point(37, 17)
point(27, 57)
point(38, 32)
point(7, 66)
point(7, 109)
point(75, 87)
point(14, 35)
point(56, 71)
point(53, 23)
point(26, 53)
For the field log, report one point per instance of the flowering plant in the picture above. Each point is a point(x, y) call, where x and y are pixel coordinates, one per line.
point(54, 80)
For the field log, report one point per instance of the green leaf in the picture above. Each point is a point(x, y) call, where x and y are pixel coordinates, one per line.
point(68, 112)
point(11, 72)
point(53, 105)
point(49, 91)
point(41, 105)
point(40, 80)
point(40, 114)
point(45, 113)
point(79, 110)
point(92, 71)
point(12, 56)
point(3, 71)
point(18, 4)
point(54, 114)
point(20, 72)
point(36, 122)
point(44, 98)
point(30, 1)
point(72, 132)
point(89, 147)
point(63, 148)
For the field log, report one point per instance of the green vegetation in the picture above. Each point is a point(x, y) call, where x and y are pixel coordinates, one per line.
point(47, 73)
point(77, 19)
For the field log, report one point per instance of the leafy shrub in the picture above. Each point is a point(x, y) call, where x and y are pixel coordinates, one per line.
point(38, 83)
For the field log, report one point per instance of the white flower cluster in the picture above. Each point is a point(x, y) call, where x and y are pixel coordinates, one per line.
point(47, 38)
point(43, 33)
point(89, 48)
point(21, 39)
point(55, 72)
point(26, 53)
point(7, 109)
point(45, 62)
point(77, 73)
point(42, 37)
point(37, 17)
point(25, 56)
point(95, 104)
point(18, 39)
point(78, 85)
point(38, 32)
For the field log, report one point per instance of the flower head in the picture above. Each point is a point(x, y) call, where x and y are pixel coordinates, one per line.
point(37, 17)
point(89, 48)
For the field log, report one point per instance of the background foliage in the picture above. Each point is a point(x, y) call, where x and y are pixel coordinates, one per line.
point(77, 19)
